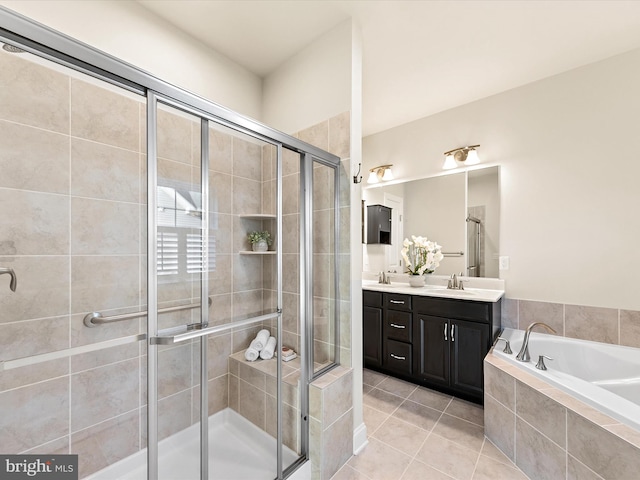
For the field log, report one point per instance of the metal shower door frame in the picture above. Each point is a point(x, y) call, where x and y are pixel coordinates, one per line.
point(153, 99)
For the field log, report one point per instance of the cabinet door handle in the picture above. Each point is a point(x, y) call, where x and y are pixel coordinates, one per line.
point(453, 338)
point(397, 301)
point(398, 357)
point(397, 326)
point(445, 332)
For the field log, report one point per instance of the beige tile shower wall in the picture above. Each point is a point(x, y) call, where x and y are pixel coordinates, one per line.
point(240, 285)
point(607, 325)
point(332, 135)
point(71, 225)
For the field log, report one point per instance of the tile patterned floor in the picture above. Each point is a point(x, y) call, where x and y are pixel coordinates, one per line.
point(420, 434)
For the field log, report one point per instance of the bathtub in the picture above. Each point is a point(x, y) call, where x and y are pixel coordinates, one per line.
point(604, 376)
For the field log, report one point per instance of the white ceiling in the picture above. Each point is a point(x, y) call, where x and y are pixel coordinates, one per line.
point(419, 57)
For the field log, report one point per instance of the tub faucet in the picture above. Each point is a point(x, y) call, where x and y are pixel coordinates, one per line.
point(523, 355)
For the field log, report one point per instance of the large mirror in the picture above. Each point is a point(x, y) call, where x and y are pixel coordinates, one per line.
point(460, 211)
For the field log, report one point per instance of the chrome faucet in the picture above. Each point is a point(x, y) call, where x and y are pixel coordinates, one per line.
point(14, 280)
point(454, 283)
point(384, 278)
point(523, 355)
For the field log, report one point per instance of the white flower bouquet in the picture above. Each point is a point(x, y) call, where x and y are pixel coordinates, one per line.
point(421, 255)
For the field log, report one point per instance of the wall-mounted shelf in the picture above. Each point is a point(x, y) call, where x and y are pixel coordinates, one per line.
point(251, 252)
point(259, 216)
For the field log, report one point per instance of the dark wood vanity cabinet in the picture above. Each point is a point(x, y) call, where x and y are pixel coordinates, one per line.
point(451, 353)
point(436, 342)
point(372, 328)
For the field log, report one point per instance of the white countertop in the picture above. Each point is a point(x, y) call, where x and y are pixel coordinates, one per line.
point(472, 294)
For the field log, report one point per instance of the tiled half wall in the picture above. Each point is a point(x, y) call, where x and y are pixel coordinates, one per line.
point(607, 325)
point(549, 434)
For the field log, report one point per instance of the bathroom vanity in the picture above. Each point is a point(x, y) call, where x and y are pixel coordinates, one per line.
point(434, 337)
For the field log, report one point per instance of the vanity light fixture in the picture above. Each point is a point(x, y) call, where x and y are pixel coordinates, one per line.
point(379, 174)
point(464, 155)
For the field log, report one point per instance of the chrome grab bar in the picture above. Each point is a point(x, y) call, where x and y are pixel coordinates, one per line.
point(94, 319)
point(14, 280)
point(453, 254)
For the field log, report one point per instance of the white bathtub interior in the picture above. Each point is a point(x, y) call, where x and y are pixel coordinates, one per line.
point(602, 375)
point(238, 450)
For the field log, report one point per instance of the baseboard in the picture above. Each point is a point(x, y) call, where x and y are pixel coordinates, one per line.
point(359, 438)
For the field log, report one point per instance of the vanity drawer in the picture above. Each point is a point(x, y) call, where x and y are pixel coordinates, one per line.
point(372, 299)
point(398, 357)
point(452, 308)
point(397, 326)
point(397, 301)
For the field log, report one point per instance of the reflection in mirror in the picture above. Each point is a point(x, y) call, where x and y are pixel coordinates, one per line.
point(438, 208)
point(483, 222)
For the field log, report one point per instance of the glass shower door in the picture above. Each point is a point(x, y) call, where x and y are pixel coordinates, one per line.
point(176, 281)
point(215, 412)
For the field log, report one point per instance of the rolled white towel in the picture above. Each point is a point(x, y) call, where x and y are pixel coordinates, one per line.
point(261, 339)
point(252, 353)
point(268, 351)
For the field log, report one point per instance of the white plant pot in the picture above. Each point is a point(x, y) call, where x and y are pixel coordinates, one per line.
point(260, 246)
point(416, 280)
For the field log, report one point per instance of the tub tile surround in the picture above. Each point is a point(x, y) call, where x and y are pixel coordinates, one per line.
point(73, 157)
point(415, 433)
point(597, 324)
point(549, 434)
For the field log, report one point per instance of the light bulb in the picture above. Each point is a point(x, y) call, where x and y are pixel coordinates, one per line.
point(373, 177)
point(388, 175)
point(449, 162)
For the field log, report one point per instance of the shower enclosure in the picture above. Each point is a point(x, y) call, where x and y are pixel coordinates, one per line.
point(125, 205)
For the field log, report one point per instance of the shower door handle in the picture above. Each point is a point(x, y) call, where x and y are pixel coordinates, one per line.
point(13, 284)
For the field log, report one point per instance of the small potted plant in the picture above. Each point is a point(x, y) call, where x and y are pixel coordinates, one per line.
point(260, 241)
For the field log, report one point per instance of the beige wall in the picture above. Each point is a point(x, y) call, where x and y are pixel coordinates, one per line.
point(568, 178)
point(313, 85)
point(152, 44)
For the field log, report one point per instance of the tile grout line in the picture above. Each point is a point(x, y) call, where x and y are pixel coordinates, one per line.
point(475, 467)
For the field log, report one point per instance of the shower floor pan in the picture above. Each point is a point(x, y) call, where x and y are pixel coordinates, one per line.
point(238, 450)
